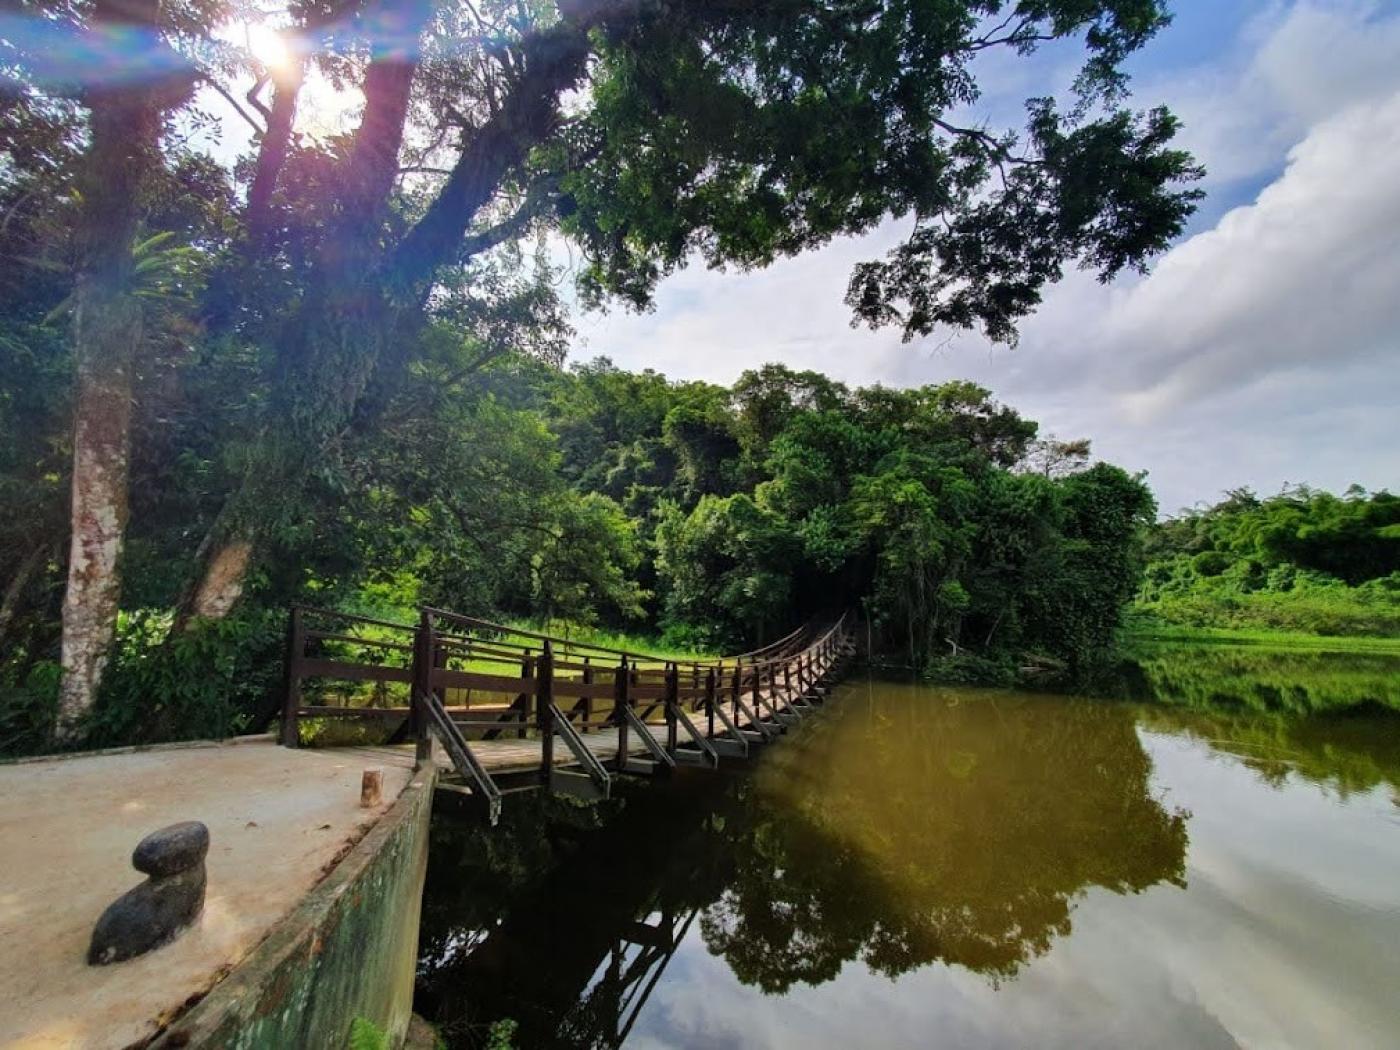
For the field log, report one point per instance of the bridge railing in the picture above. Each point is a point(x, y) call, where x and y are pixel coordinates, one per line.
point(463, 677)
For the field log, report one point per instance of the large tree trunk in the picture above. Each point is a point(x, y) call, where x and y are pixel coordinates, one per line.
point(363, 305)
point(107, 330)
point(326, 357)
point(221, 570)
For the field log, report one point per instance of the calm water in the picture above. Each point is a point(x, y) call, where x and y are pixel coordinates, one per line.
point(923, 866)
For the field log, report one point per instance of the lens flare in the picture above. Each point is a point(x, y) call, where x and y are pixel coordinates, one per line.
point(268, 46)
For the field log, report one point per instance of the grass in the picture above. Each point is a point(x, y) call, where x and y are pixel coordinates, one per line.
point(1144, 629)
point(633, 643)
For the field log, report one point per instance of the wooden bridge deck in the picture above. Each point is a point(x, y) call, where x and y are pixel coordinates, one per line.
point(513, 755)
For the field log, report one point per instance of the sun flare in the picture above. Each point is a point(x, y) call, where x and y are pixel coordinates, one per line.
point(268, 46)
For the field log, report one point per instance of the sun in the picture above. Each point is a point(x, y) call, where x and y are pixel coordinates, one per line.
point(268, 46)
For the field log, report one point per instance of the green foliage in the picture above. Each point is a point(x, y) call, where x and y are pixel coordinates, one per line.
point(501, 1035)
point(350, 366)
point(28, 705)
point(213, 680)
point(1303, 561)
point(601, 500)
point(1225, 677)
point(727, 566)
point(900, 501)
point(746, 134)
point(366, 1035)
point(586, 561)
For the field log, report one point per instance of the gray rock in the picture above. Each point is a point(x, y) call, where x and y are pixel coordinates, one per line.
point(155, 912)
point(171, 850)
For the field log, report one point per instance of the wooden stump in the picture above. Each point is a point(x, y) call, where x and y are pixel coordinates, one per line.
point(371, 788)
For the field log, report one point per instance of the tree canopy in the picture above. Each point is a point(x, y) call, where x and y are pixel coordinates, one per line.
point(219, 362)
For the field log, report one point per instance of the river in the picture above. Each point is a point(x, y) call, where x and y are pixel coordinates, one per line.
point(920, 865)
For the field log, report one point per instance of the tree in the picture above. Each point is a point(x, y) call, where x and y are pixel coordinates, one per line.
point(739, 132)
point(1053, 458)
point(727, 567)
point(123, 154)
point(1077, 609)
point(651, 134)
point(587, 563)
point(766, 398)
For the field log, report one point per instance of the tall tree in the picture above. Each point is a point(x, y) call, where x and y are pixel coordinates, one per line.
point(123, 153)
point(735, 131)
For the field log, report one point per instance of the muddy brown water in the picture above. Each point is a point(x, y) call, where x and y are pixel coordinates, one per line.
point(924, 866)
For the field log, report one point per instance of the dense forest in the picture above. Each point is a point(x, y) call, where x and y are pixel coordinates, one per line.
point(703, 516)
point(245, 362)
point(1303, 560)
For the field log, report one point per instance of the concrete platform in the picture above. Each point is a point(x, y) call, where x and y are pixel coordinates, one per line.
point(278, 821)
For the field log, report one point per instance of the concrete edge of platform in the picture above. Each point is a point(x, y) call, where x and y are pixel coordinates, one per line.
point(132, 749)
point(348, 950)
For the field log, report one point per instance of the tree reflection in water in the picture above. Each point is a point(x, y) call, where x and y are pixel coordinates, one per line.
point(899, 828)
point(921, 828)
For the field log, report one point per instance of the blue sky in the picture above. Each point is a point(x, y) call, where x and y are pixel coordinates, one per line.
point(1262, 350)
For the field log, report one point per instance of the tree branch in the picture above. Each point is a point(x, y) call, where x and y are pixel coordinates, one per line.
point(258, 128)
point(554, 59)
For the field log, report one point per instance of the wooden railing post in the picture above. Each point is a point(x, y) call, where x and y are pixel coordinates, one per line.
point(736, 687)
point(544, 696)
point(527, 668)
point(291, 698)
point(710, 701)
point(424, 655)
point(620, 694)
point(673, 684)
point(587, 704)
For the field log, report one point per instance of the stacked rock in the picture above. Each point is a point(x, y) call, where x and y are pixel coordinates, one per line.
point(155, 912)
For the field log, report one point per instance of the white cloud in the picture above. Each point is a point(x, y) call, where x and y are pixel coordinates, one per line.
point(1305, 275)
point(1293, 66)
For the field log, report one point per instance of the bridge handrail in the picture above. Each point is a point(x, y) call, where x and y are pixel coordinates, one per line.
point(825, 637)
point(785, 639)
point(521, 632)
point(770, 692)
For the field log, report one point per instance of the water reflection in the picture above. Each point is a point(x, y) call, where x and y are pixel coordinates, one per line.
point(896, 830)
point(1326, 716)
point(1259, 678)
point(563, 917)
point(1350, 753)
point(929, 826)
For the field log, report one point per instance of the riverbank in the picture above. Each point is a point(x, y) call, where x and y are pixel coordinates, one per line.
point(1149, 630)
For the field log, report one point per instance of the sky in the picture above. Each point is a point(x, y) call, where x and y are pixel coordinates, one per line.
point(1264, 347)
